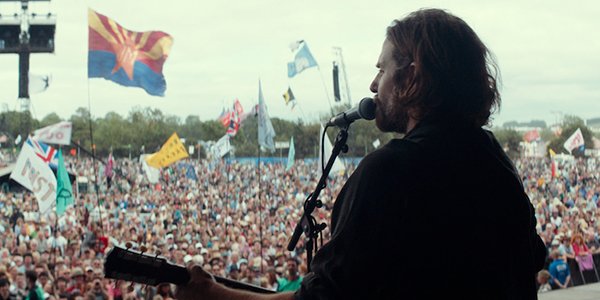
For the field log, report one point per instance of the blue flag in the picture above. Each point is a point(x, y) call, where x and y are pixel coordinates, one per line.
point(191, 173)
point(302, 61)
point(291, 155)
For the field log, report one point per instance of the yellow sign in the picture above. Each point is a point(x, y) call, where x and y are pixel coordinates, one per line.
point(172, 151)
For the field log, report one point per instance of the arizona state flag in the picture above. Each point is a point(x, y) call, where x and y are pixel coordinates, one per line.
point(127, 57)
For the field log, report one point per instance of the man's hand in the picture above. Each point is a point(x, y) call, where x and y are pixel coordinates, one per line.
point(198, 287)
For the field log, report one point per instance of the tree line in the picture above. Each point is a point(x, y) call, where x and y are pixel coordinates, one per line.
point(144, 130)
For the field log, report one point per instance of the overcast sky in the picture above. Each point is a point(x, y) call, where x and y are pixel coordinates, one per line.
point(548, 53)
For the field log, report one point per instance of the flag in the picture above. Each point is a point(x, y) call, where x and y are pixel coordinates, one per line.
point(172, 151)
point(291, 154)
point(224, 117)
point(295, 45)
point(64, 189)
point(126, 57)
point(108, 171)
point(266, 133)
point(18, 139)
point(552, 162)
point(376, 143)
point(234, 118)
point(288, 96)
point(33, 173)
point(48, 154)
point(73, 152)
point(190, 173)
point(531, 135)
point(221, 147)
point(59, 133)
point(326, 148)
point(574, 141)
point(38, 83)
point(302, 61)
point(153, 174)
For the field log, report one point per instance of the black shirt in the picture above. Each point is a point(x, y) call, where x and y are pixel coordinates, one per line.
point(439, 214)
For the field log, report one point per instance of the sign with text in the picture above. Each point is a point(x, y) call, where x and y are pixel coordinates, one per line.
point(35, 175)
point(59, 133)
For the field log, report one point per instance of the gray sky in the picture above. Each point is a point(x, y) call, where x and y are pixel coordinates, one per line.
point(548, 53)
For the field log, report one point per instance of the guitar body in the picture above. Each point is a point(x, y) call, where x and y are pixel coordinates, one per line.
point(130, 265)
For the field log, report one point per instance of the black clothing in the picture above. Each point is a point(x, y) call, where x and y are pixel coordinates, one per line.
point(445, 183)
point(11, 296)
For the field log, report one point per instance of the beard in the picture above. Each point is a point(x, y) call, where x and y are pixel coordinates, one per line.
point(391, 116)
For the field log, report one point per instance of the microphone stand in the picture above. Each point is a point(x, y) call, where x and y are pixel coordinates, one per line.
point(307, 222)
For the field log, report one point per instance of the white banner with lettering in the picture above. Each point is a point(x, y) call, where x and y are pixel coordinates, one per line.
point(59, 133)
point(35, 175)
point(574, 141)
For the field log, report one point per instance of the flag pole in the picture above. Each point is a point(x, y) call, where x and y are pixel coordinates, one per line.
point(325, 88)
point(259, 208)
point(94, 158)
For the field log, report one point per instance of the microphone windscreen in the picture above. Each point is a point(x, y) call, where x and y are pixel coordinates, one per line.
point(366, 108)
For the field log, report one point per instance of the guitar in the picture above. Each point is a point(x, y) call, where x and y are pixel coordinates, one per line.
point(130, 265)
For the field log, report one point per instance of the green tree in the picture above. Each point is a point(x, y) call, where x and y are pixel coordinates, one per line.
point(510, 140)
point(51, 118)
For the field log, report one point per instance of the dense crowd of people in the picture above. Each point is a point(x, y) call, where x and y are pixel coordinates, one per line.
point(235, 220)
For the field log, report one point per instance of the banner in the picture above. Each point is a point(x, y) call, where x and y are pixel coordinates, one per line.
point(172, 151)
point(64, 189)
point(153, 174)
point(59, 133)
point(266, 133)
point(35, 174)
point(221, 147)
point(574, 141)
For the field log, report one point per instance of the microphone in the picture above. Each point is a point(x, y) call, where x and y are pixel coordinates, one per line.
point(364, 110)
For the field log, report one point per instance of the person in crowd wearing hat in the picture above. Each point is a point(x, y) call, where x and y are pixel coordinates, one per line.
point(35, 292)
point(77, 281)
point(559, 269)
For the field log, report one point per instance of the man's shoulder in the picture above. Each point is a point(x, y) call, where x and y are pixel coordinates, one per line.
point(397, 150)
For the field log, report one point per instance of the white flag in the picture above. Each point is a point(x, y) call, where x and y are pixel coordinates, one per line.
point(376, 143)
point(38, 83)
point(266, 133)
point(221, 147)
point(35, 175)
point(338, 165)
point(153, 174)
point(59, 133)
point(574, 141)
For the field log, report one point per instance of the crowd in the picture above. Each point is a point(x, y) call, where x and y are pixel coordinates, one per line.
point(566, 208)
point(235, 222)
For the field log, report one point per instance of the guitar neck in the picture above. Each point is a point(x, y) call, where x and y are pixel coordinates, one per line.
point(182, 276)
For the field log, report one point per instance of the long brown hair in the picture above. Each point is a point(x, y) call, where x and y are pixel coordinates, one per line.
point(455, 74)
